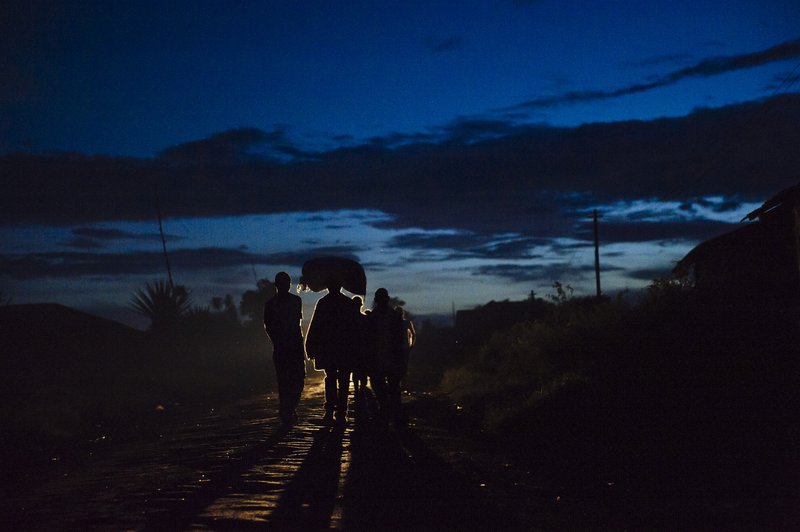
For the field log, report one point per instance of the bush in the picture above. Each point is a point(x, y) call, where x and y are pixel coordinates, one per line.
point(520, 365)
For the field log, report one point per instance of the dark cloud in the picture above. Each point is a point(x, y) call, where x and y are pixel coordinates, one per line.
point(705, 68)
point(393, 140)
point(297, 258)
point(466, 130)
point(641, 231)
point(785, 81)
point(538, 272)
point(84, 243)
point(374, 267)
point(532, 180)
point(447, 44)
point(726, 206)
point(228, 146)
point(236, 146)
point(102, 233)
point(649, 274)
point(518, 248)
point(659, 60)
point(78, 264)
point(461, 130)
point(466, 245)
point(454, 241)
point(95, 237)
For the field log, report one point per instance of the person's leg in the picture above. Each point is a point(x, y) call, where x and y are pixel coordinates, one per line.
point(378, 384)
point(330, 392)
point(283, 376)
point(298, 372)
point(395, 400)
point(358, 393)
point(343, 381)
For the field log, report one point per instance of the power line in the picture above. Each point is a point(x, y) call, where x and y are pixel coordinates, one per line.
point(789, 80)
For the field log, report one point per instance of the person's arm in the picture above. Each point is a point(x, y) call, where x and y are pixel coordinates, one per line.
point(266, 318)
point(314, 332)
point(299, 313)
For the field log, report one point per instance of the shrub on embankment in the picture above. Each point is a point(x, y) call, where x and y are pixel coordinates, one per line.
point(677, 392)
point(670, 339)
point(519, 365)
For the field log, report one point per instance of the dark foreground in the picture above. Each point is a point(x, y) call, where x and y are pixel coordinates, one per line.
point(235, 468)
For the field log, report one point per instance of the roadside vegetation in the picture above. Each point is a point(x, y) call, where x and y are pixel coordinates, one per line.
point(670, 393)
point(82, 376)
point(199, 352)
point(517, 366)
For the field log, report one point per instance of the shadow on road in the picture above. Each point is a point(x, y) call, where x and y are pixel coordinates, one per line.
point(367, 475)
point(179, 516)
point(396, 482)
point(308, 502)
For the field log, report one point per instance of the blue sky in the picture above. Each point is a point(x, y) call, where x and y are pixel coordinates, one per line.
point(132, 78)
point(455, 148)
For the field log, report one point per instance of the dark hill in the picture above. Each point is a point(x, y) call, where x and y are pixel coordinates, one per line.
point(62, 369)
point(474, 327)
point(53, 344)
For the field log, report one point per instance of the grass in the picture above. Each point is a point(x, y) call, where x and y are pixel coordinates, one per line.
point(678, 396)
point(518, 366)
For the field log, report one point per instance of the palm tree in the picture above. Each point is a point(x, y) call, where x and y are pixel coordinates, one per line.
point(164, 303)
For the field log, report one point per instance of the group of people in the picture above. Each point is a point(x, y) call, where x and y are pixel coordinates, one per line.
point(344, 340)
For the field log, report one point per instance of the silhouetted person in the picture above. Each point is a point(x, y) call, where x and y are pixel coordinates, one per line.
point(360, 366)
point(283, 315)
point(332, 342)
point(388, 342)
point(411, 339)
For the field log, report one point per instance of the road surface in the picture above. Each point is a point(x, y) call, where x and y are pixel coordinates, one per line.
point(236, 468)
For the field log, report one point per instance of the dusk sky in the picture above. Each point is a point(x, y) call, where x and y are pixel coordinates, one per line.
point(454, 148)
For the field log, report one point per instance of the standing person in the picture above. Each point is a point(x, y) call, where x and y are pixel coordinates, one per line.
point(333, 341)
point(360, 365)
point(388, 340)
point(411, 338)
point(283, 315)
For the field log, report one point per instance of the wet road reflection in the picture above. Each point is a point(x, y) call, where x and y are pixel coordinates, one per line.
point(235, 468)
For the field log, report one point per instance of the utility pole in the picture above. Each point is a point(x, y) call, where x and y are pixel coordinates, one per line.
point(163, 240)
point(596, 253)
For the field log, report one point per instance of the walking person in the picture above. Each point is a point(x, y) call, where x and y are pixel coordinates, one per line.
point(283, 316)
point(333, 341)
point(388, 342)
point(360, 365)
point(411, 338)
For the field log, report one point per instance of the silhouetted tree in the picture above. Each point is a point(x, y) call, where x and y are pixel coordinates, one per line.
point(563, 293)
point(251, 305)
point(225, 306)
point(163, 303)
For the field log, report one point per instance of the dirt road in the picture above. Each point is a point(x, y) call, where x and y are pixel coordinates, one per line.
point(235, 468)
